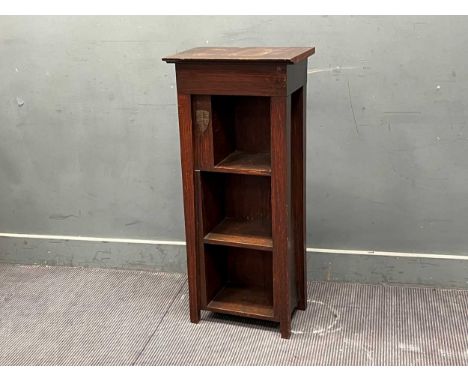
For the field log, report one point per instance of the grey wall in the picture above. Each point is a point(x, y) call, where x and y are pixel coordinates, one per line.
point(89, 140)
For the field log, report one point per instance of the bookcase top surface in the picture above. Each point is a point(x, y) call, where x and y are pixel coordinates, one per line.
point(290, 55)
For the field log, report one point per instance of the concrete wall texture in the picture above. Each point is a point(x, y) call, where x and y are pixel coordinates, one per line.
point(89, 140)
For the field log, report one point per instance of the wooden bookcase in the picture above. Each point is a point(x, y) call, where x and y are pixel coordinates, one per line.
point(242, 138)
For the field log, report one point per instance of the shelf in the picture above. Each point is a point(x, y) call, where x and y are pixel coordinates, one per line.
point(240, 162)
point(242, 233)
point(247, 301)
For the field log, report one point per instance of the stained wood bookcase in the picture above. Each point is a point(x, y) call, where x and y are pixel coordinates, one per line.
point(242, 138)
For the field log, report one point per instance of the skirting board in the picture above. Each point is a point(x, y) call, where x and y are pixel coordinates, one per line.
point(438, 270)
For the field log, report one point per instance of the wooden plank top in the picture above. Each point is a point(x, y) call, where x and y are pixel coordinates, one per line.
point(290, 55)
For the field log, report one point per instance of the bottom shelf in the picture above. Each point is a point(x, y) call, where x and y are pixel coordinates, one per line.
point(254, 302)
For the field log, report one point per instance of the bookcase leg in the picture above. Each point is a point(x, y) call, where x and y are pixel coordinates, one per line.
point(285, 327)
point(186, 148)
point(283, 255)
point(194, 315)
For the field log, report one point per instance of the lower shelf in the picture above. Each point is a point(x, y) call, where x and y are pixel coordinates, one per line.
point(254, 302)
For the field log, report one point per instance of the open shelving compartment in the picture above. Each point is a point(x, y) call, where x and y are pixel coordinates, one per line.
point(233, 134)
point(237, 244)
point(239, 281)
point(233, 159)
point(236, 210)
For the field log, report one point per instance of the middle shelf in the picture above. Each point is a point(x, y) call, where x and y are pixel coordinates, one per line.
point(236, 210)
point(233, 232)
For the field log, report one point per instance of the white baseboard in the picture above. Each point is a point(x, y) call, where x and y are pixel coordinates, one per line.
point(181, 243)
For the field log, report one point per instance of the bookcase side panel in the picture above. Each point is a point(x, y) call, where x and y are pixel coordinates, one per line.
point(281, 212)
point(298, 173)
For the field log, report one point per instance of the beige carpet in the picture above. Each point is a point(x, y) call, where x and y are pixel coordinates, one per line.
point(76, 316)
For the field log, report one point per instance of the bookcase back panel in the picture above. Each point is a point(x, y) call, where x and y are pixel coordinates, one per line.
point(241, 197)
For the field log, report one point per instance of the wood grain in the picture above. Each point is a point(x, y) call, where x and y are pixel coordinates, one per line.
point(289, 55)
point(244, 280)
point(281, 210)
point(245, 79)
point(188, 183)
point(242, 133)
point(242, 233)
point(203, 131)
point(253, 302)
point(298, 173)
point(240, 162)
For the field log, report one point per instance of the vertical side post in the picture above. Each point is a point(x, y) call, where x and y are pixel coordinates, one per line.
point(188, 183)
point(281, 210)
point(298, 169)
point(203, 131)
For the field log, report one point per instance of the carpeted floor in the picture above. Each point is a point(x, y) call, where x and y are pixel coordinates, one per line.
point(75, 316)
